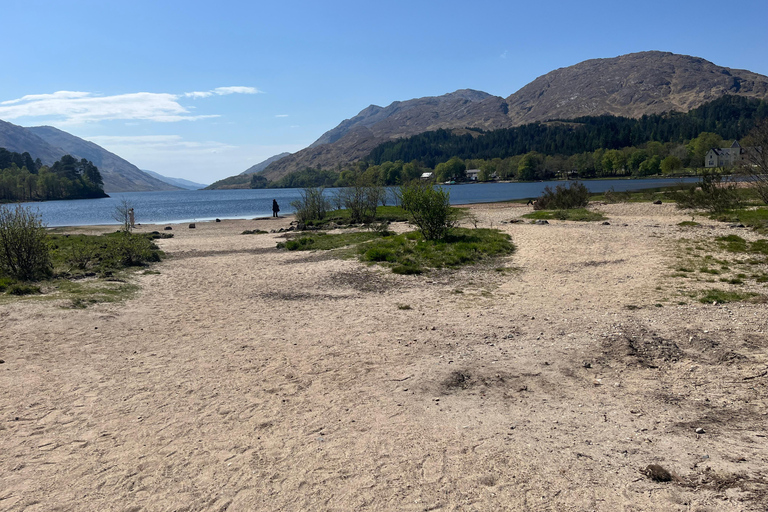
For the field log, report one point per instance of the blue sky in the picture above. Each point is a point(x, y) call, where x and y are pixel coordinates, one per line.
point(203, 90)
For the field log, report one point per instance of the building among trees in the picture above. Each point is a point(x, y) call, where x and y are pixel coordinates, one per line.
point(724, 157)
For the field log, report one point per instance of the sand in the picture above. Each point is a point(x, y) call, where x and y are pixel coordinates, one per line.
point(242, 377)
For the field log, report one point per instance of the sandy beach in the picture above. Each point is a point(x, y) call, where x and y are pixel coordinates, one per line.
point(242, 377)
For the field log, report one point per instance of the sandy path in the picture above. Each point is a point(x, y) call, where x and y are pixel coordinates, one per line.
point(245, 378)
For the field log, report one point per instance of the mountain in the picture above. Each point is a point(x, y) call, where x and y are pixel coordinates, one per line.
point(263, 165)
point(19, 139)
point(177, 182)
point(119, 175)
point(629, 85)
point(243, 180)
point(354, 138)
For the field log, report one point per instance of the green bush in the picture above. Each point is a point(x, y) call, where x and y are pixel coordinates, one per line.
point(24, 253)
point(5, 282)
point(23, 289)
point(576, 195)
point(429, 208)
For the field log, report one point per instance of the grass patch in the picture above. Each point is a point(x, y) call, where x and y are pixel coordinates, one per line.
point(253, 232)
point(326, 242)
point(409, 253)
point(721, 296)
point(636, 196)
point(75, 255)
point(88, 269)
point(578, 214)
point(343, 217)
point(736, 244)
point(756, 218)
point(688, 223)
point(24, 289)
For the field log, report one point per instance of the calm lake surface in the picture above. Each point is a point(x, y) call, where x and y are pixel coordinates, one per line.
point(200, 205)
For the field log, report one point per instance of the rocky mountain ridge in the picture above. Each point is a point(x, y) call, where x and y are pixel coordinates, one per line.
point(629, 85)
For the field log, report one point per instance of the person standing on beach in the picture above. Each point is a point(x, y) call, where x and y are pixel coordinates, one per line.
point(275, 208)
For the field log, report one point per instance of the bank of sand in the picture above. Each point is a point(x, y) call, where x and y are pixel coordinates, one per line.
point(246, 378)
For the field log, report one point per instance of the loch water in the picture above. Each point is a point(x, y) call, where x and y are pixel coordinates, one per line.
point(181, 206)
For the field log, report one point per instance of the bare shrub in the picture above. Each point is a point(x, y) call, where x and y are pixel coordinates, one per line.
point(715, 193)
point(755, 164)
point(312, 206)
point(563, 198)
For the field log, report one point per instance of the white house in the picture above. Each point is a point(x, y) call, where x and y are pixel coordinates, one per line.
point(472, 174)
point(724, 157)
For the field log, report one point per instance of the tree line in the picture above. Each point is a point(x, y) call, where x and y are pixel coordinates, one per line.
point(587, 147)
point(729, 117)
point(24, 179)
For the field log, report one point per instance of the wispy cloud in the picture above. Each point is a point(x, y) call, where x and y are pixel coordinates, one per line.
point(65, 95)
point(161, 143)
point(74, 107)
point(222, 91)
point(281, 115)
point(504, 54)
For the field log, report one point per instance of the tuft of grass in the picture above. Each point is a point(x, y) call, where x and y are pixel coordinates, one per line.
point(253, 232)
point(404, 307)
point(721, 296)
point(24, 289)
point(5, 282)
point(688, 223)
point(578, 215)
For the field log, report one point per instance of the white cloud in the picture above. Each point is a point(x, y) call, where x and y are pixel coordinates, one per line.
point(281, 115)
point(158, 144)
point(56, 95)
point(70, 107)
point(222, 91)
point(504, 55)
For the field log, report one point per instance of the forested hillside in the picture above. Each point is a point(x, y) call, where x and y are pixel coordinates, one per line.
point(602, 146)
point(22, 179)
point(730, 117)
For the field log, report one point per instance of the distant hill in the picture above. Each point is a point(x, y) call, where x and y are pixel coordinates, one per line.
point(119, 174)
point(50, 144)
point(178, 182)
point(630, 86)
point(243, 180)
point(19, 139)
point(354, 138)
point(263, 165)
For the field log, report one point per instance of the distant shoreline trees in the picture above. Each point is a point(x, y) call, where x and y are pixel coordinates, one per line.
point(587, 147)
point(23, 179)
